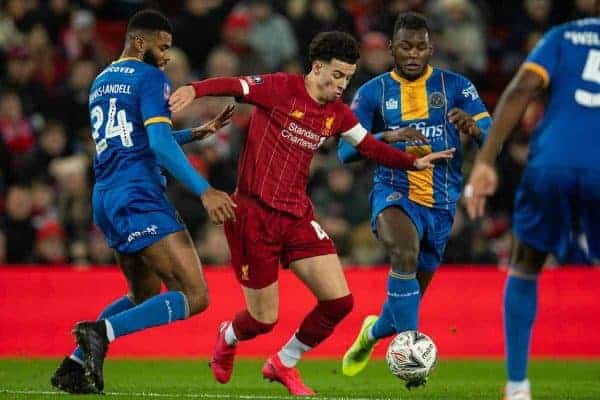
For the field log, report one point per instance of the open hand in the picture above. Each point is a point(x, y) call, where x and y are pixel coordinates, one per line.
point(182, 98)
point(218, 122)
point(428, 160)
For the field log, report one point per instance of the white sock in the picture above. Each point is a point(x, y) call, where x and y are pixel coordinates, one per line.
point(230, 337)
point(291, 353)
point(110, 333)
point(514, 386)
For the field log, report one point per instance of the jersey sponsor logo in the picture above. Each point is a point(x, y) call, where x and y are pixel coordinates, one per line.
point(254, 80)
point(583, 38)
point(328, 125)
point(149, 230)
point(393, 197)
point(245, 272)
point(297, 114)
point(432, 132)
point(166, 91)
point(437, 100)
point(391, 104)
point(302, 137)
point(471, 92)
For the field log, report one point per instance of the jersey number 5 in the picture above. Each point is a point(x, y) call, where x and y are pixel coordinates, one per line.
point(122, 128)
point(591, 73)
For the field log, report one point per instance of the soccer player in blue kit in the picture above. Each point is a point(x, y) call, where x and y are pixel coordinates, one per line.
point(131, 127)
point(420, 109)
point(559, 192)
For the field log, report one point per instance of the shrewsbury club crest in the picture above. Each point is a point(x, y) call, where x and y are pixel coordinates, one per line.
point(437, 100)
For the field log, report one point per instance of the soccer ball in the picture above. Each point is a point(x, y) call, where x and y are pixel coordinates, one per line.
point(411, 356)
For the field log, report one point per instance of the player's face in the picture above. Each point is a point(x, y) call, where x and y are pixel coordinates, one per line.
point(332, 78)
point(156, 48)
point(411, 50)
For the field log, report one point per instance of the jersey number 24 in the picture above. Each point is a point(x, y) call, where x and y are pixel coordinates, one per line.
point(116, 125)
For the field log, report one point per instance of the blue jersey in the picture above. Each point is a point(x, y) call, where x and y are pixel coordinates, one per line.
point(124, 99)
point(389, 102)
point(568, 60)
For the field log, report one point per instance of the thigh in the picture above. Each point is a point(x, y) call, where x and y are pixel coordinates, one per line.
point(303, 238)
point(143, 282)
point(263, 304)
point(323, 275)
point(525, 260)
point(253, 244)
point(399, 228)
point(543, 216)
point(175, 261)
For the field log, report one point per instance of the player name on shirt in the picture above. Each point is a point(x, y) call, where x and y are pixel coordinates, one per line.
point(116, 88)
point(583, 38)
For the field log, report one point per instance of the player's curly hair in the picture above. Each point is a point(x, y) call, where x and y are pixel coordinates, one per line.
point(149, 20)
point(335, 44)
point(411, 20)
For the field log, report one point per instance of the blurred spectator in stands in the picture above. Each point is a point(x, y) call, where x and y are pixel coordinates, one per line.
point(43, 202)
point(461, 36)
point(20, 77)
point(56, 15)
point(534, 16)
point(310, 17)
point(583, 8)
point(50, 67)
point(198, 28)
point(383, 13)
point(222, 62)
point(50, 244)
point(51, 143)
point(364, 248)
point(10, 14)
point(73, 201)
point(71, 105)
point(79, 40)
point(375, 59)
point(271, 36)
point(236, 36)
point(15, 127)
point(17, 225)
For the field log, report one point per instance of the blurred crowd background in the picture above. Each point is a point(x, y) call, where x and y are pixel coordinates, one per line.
point(50, 52)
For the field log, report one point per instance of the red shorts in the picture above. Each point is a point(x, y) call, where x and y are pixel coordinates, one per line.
point(261, 238)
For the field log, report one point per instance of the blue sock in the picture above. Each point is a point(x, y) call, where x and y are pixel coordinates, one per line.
point(384, 326)
point(158, 310)
point(403, 299)
point(117, 306)
point(520, 304)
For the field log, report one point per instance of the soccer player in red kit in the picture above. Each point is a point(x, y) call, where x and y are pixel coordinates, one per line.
point(274, 222)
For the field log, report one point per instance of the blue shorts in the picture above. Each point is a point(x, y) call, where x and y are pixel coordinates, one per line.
point(433, 224)
point(554, 206)
point(134, 216)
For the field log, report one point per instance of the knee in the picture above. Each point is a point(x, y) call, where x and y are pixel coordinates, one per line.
point(403, 259)
point(198, 301)
point(140, 295)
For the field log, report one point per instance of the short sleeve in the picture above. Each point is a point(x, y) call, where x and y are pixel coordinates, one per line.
point(364, 105)
point(468, 100)
point(544, 57)
point(262, 90)
point(154, 97)
point(351, 130)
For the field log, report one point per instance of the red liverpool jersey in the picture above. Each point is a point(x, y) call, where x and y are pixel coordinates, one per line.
point(286, 129)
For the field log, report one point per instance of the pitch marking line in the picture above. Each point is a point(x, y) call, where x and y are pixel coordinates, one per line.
point(185, 395)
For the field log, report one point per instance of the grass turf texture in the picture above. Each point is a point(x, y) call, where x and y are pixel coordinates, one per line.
point(465, 379)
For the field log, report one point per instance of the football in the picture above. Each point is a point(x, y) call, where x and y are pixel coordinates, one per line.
point(411, 356)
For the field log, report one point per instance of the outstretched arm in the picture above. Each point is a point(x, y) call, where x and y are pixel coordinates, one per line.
point(225, 86)
point(203, 131)
point(511, 107)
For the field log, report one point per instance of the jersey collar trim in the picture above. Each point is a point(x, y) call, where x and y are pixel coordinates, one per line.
point(417, 81)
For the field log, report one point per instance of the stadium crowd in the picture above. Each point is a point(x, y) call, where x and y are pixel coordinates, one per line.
point(51, 51)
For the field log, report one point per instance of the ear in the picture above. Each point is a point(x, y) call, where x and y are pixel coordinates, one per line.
point(317, 66)
point(139, 43)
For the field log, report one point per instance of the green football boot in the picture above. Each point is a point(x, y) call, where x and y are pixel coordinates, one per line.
point(357, 357)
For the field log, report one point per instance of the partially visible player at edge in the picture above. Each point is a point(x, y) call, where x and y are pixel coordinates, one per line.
point(275, 223)
point(420, 109)
point(559, 192)
point(131, 126)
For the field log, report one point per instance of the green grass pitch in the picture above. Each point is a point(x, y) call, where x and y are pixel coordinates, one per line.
point(185, 379)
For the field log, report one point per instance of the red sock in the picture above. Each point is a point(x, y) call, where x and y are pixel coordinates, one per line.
point(322, 320)
point(246, 327)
